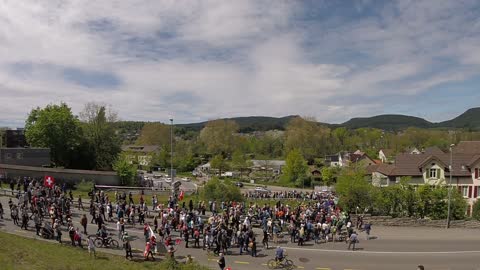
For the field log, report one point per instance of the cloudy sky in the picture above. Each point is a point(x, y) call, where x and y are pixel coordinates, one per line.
point(200, 60)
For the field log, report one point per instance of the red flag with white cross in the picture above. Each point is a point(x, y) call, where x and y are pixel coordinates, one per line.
point(49, 181)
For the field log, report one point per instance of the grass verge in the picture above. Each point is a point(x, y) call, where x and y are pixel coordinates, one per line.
point(20, 253)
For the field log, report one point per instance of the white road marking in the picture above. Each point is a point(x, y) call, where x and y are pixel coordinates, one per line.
point(385, 252)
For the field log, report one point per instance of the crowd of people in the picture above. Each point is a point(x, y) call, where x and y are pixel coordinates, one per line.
point(291, 194)
point(222, 228)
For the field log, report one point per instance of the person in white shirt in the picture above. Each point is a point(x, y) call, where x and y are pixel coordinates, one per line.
point(91, 247)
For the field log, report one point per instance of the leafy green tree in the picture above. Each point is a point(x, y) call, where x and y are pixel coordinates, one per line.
point(239, 162)
point(217, 190)
point(155, 134)
point(125, 170)
point(295, 169)
point(340, 134)
point(354, 190)
point(328, 175)
point(100, 135)
point(219, 163)
point(219, 136)
point(57, 128)
point(307, 136)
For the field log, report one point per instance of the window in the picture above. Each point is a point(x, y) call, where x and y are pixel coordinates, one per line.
point(433, 173)
point(465, 191)
point(478, 191)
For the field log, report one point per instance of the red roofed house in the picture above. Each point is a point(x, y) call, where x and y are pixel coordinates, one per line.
point(432, 167)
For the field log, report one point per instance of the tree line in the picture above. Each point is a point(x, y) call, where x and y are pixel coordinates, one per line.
point(92, 140)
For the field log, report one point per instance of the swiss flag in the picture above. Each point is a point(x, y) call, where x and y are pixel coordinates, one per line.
point(49, 181)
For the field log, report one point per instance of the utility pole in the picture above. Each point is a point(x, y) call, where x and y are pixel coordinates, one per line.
point(171, 152)
point(450, 187)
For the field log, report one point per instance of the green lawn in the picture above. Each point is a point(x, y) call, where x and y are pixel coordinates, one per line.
point(24, 253)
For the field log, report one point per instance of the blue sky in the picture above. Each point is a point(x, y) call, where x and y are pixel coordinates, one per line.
point(200, 60)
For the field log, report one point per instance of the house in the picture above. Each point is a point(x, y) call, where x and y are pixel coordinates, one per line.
point(345, 159)
point(34, 157)
point(275, 166)
point(432, 166)
point(332, 160)
point(140, 154)
point(13, 138)
point(386, 155)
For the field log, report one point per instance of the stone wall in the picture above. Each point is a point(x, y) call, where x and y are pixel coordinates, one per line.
point(413, 222)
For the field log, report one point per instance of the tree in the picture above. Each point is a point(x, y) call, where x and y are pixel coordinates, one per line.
point(155, 134)
point(354, 190)
point(340, 134)
point(328, 175)
point(219, 136)
point(125, 170)
point(295, 170)
point(239, 162)
point(217, 190)
point(307, 136)
point(219, 163)
point(57, 128)
point(100, 134)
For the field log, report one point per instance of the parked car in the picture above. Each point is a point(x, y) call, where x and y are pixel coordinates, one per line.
point(239, 184)
point(262, 190)
point(186, 179)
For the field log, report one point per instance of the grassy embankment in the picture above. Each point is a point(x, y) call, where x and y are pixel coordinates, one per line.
point(18, 253)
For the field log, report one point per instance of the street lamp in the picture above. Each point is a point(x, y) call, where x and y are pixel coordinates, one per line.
point(450, 186)
point(171, 150)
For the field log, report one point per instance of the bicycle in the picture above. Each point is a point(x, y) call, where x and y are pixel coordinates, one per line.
point(106, 242)
point(284, 263)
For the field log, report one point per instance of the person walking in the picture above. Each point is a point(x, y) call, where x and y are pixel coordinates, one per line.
point(91, 247)
point(84, 222)
point(221, 261)
point(58, 230)
point(71, 233)
point(127, 246)
point(368, 228)
point(254, 247)
point(353, 240)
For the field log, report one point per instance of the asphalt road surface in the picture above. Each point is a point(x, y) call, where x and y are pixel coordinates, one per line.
point(396, 248)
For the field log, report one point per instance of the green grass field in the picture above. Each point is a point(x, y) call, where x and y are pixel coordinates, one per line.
point(18, 253)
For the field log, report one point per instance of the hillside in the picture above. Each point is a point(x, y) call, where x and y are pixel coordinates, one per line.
point(387, 122)
point(249, 124)
point(469, 119)
point(129, 130)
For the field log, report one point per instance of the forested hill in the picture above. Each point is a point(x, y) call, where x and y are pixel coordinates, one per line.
point(469, 120)
point(249, 124)
point(387, 122)
point(391, 122)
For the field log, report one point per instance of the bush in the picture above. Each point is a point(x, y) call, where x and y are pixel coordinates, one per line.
point(218, 190)
point(476, 210)
point(84, 186)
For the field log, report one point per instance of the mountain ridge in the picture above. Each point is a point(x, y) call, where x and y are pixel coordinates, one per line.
point(470, 120)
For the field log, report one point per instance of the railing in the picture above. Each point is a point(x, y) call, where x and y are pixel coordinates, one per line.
point(8, 192)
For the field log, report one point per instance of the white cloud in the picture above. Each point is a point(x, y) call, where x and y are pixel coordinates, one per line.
point(206, 59)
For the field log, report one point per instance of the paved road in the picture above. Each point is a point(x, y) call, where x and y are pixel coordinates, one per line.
point(392, 248)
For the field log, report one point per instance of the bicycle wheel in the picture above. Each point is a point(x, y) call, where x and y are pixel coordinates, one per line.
point(289, 264)
point(272, 264)
point(98, 242)
point(113, 243)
